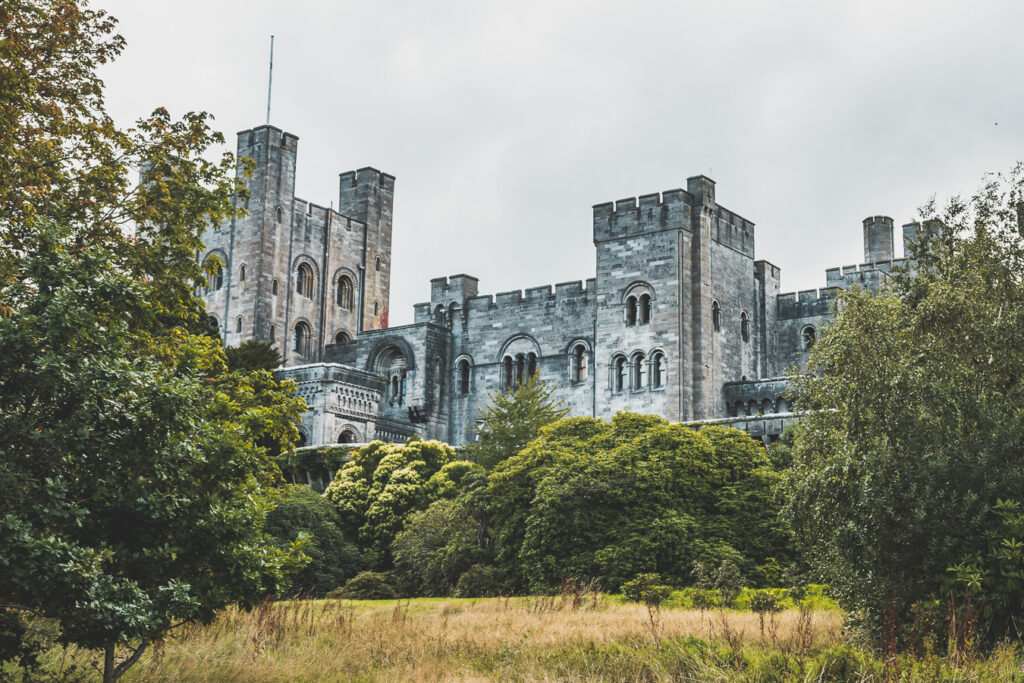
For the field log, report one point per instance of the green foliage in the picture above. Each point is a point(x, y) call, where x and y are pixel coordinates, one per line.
point(133, 466)
point(646, 588)
point(728, 582)
point(990, 584)
point(366, 586)
point(300, 513)
point(763, 601)
point(915, 429)
point(382, 486)
point(589, 498)
point(253, 355)
point(513, 419)
point(479, 581)
point(437, 546)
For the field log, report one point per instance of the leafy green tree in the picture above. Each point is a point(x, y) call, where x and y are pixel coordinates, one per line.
point(134, 488)
point(637, 495)
point(513, 419)
point(382, 486)
point(301, 514)
point(253, 355)
point(437, 546)
point(915, 430)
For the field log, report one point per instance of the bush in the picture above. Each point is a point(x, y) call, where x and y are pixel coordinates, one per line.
point(366, 586)
point(333, 557)
point(479, 582)
point(646, 588)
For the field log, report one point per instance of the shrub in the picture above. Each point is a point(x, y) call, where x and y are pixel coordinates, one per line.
point(365, 586)
point(479, 582)
point(646, 588)
point(333, 557)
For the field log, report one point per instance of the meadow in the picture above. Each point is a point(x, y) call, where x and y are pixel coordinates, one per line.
point(575, 637)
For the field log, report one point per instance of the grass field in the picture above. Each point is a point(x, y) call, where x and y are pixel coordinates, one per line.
point(576, 638)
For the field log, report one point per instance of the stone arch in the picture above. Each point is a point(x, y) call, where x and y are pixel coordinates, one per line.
point(519, 343)
point(349, 433)
point(463, 369)
point(381, 353)
point(636, 288)
point(308, 260)
point(304, 348)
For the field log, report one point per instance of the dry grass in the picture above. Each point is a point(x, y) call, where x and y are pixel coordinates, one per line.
point(465, 640)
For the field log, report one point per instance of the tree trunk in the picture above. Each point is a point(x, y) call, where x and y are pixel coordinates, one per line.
point(108, 664)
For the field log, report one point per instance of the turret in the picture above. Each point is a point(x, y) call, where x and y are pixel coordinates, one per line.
point(878, 239)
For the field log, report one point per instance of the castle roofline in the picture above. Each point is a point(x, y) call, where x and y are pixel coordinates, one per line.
point(268, 127)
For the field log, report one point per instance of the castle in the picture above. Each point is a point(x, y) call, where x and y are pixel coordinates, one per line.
point(680, 321)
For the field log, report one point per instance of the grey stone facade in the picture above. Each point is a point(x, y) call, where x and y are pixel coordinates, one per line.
point(681, 319)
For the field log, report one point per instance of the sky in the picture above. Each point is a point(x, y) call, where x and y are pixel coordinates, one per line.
point(505, 122)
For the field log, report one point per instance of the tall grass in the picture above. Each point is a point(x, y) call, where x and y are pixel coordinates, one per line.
point(528, 639)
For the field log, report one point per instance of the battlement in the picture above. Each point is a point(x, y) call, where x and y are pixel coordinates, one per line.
point(563, 293)
point(868, 275)
point(807, 303)
point(668, 210)
point(250, 138)
point(366, 176)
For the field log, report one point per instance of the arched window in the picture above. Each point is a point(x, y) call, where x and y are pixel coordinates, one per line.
point(241, 274)
point(657, 367)
point(639, 367)
point(463, 372)
point(378, 263)
point(631, 311)
point(214, 324)
point(809, 337)
point(578, 363)
point(304, 281)
point(238, 324)
point(520, 369)
point(342, 338)
point(619, 373)
point(376, 307)
point(279, 214)
point(273, 288)
point(303, 439)
point(744, 326)
point(644, 309)
point(506, 370)
point(301, 341)
point(273, 333)
point(531, 366)
point(716, 316)
point(439, 314)
point(215, 280)
point(766, 406)
point(347, 436)
point(345, 290)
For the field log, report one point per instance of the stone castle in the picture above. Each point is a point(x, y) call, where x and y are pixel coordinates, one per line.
point(680, 321)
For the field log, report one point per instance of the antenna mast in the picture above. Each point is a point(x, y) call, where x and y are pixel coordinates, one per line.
point(270, 77)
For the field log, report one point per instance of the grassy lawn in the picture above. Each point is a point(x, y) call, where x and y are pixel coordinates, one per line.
point(527, 639)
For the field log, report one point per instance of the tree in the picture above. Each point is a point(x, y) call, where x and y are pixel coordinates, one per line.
point(437, 546)
point(135, 490)
point(300, 513)
point(253, 355)
point(381, 487)
point(590, 499)
point(915, 429)
point(512, 420)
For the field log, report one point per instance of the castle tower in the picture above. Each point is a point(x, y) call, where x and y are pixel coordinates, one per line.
point(297, 274)
point(878, 244)
point(368, 196)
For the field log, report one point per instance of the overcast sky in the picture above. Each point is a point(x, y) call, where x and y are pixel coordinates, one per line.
point(504, 122)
